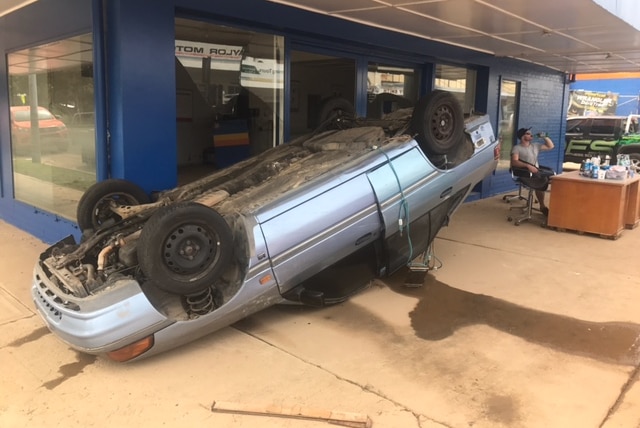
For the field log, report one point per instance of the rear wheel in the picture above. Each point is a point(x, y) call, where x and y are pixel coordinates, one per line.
point(439, 123)
point(386, 103)
point(333, 108)
point(185, 247)
point(94, 208)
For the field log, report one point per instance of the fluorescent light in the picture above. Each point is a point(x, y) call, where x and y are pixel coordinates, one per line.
point(14, 5)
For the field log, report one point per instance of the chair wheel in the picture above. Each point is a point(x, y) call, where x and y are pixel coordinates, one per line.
point(509, 218)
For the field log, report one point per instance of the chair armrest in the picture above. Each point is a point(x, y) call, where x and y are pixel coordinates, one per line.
point(547, 170)
point(520, 172)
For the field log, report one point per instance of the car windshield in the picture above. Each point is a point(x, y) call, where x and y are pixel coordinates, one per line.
point(25, 115)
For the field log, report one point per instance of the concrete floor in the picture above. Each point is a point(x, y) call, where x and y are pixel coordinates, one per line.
point(520, 327)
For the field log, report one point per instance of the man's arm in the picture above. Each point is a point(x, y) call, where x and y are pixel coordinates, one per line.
point(517, 163)
point(548, 143)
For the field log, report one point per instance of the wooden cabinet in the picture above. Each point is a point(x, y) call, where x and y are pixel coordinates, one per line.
point(599, 206)
point(632, 210)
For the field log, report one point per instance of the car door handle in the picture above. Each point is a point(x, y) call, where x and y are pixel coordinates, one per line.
point(363, 238)
point(446, 193)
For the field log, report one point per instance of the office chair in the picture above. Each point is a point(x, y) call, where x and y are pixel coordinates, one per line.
point(528, 183)
point(518, 197)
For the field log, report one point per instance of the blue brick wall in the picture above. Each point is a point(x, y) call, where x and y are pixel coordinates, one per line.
point(543, 104)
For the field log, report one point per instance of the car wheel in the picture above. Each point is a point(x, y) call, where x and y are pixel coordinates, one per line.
point(335, 107)
point(381, 102)
point(185, 247)
point(439, 123)
point(94, 206)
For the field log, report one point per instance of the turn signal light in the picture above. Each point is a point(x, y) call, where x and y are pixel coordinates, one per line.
point(266, 279)
point(131, 351)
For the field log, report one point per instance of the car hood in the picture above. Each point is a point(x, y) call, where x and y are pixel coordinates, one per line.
point(49, 123)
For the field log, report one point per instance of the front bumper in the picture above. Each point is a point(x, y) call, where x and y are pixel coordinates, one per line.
point(96, 324)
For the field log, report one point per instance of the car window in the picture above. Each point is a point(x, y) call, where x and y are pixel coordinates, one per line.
point(576, 126)
point(83, 119)
point(604, 127)
point(632, 124)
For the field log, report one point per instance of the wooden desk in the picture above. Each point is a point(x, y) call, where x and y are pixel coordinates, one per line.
point(600, 206)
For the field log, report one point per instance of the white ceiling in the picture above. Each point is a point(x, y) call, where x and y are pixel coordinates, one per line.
point(574, 36)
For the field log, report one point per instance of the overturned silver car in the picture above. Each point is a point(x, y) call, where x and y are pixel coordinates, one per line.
point(148, 276)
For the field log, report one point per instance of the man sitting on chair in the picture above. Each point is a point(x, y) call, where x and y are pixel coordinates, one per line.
point(525, 156)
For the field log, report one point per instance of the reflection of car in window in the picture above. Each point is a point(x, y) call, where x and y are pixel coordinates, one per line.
point(591, 136)
point(53, 133)
point(357, 193)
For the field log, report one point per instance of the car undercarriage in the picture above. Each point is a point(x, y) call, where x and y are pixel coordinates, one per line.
point(208, 253)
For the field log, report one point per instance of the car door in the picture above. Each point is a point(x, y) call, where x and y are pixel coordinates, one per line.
point(415, 200)
point(334, 221)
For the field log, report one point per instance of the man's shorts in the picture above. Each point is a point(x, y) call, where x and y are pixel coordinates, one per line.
point(539, 180)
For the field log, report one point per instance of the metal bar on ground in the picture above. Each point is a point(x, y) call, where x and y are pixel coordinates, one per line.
point(347, 419)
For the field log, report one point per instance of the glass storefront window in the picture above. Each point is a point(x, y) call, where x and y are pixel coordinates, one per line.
point(389, 89)
point(321, 85)
point(459, 81)
point(52, 124)
point(230, 85)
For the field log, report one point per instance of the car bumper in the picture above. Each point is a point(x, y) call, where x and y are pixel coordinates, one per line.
point(96, 324)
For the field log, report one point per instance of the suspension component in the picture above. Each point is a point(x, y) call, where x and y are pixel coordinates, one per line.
point(104, 253)
point(201, 303)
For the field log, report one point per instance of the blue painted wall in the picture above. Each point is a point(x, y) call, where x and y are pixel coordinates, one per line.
point(141, 92)
point(543, 104)
point(138, 89)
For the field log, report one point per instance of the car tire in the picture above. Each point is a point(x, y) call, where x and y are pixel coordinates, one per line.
point(375, 109)
point(185, 247)
point(335, 107)
point(93, 208)
point(438, 122)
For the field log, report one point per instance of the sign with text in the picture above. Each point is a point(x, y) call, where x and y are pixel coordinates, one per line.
point(223, 57)
point(592, 103)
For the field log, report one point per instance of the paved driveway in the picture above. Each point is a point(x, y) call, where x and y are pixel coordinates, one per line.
point(519, 327)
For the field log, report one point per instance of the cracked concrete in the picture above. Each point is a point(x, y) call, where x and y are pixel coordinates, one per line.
point(520, 327)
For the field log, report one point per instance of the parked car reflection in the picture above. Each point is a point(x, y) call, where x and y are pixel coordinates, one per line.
point(53, 133)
